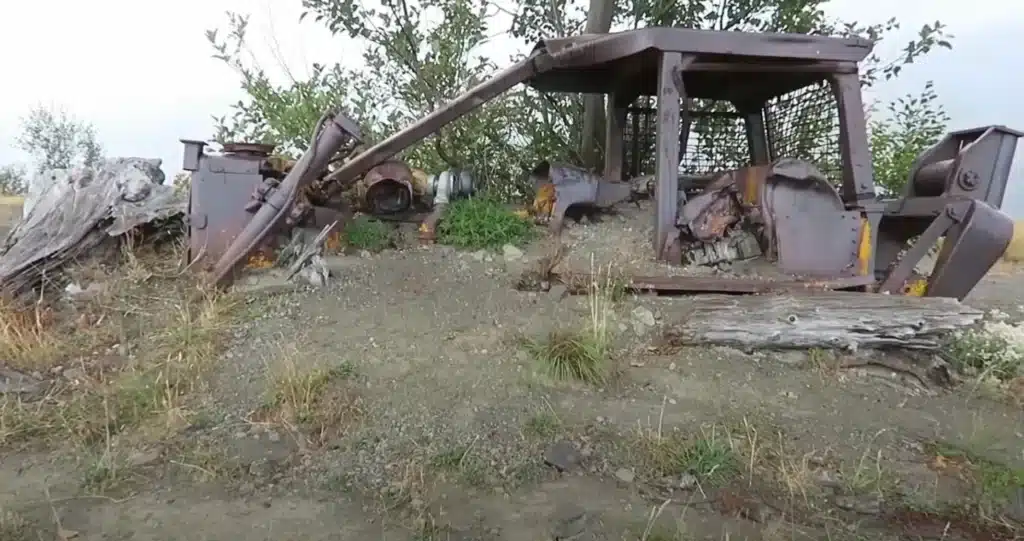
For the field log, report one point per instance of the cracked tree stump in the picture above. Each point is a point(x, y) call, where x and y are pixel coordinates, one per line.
point(831, 320)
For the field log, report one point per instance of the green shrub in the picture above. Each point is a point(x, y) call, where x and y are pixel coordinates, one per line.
point(365, 233)
point(483, 223)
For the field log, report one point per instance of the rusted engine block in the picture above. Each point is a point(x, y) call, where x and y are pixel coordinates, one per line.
point(786, 211)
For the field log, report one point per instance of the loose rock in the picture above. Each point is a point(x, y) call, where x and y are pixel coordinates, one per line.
point(868, 505)
point(643, 319)
point(16, 382)
point(558, 292)
point(625, 475)
point(563, 456)
point(570, 521)
point(511, 253)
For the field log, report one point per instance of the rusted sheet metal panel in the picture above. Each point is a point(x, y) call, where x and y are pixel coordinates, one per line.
point(608, 47)
point(219, 191)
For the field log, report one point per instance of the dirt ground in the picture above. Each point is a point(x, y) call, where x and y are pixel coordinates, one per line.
point(397, 404)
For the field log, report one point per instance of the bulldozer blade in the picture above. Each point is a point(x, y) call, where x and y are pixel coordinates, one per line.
point(971, 248)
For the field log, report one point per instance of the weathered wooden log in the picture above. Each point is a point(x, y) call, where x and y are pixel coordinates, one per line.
point(831, 320)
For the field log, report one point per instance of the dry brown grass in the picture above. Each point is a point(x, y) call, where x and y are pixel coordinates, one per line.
point(14, 528)
point(1015, 252)
point(10, 210)
point(581, 354)
point(312, 400)
point(125, 358)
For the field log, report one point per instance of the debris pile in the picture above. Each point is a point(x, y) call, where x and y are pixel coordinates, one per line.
point(81, 209)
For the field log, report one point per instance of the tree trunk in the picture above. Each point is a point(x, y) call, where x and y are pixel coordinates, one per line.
point(830, 320)
point(599, 21)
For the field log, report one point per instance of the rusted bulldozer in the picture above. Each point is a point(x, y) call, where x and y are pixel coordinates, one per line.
point(803, 199)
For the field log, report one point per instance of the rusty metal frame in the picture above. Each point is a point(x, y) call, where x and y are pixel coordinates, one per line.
point(673, 64)
point(607, 63)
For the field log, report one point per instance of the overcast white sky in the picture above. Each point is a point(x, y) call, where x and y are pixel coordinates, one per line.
point(141, 72)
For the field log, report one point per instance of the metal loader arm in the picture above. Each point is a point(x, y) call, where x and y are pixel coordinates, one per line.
point(334, 130)
point(331, 134)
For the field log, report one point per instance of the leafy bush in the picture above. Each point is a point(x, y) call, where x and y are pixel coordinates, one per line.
point(13, 181)
point(483, 223)
point(994, 351)
point(365, 233)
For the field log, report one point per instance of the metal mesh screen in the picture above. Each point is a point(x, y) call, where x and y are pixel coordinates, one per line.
point(640, 135)
point(717, 140)
point(804, 124)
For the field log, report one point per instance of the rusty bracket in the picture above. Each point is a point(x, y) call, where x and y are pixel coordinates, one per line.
point(952, 215)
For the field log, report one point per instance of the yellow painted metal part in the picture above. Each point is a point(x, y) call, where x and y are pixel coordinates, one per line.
point(864, 249)
point(419, 182)
point(916, 288)
point(752, 180)
point(544, 201)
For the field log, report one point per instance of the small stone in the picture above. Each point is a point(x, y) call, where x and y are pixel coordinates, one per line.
point(826, 478)
point(570, 521)
point(139, 459)
point(687, 481)
point(625, 475)
point(478, 255)
point(74, 374)
point(558, 291)
point(563, 456)
point(643, 316)
point(511, 253)
point(17, 383)
point(671, 366)
point(870, 505)
point(760, 512)
point(260, 468)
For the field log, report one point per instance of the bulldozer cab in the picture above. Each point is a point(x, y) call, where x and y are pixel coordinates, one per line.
point(716, 135)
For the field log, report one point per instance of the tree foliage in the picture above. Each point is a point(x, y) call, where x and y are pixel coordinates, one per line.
point(13, 180)
point(419, 54)
point(908, 126)
point(56, 139)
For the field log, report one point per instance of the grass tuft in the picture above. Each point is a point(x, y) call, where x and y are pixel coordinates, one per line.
point(314, 400)
point(27, 340)
point(123, 358)
point(584, 354)
point(709, 458)
point(365, 233)
point(483, 223)
point(543, 425)
point(13, 527)
point(571, 355)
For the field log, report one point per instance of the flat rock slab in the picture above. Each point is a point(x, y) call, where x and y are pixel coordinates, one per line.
point(270, 282)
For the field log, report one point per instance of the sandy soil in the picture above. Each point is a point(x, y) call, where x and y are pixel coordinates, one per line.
point(446, 430)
